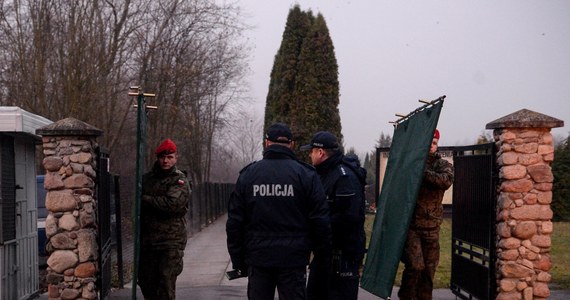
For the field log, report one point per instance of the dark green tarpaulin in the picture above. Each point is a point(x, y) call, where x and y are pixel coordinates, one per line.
point(402, 180)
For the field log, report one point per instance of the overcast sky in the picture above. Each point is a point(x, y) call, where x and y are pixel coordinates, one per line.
point(490, 58)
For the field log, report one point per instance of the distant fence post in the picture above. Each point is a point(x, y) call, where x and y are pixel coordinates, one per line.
point(524, 226)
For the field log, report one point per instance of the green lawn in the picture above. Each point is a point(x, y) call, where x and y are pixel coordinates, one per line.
point(559, 254)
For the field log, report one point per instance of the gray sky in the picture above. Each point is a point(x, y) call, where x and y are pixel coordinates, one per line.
point(490, 58)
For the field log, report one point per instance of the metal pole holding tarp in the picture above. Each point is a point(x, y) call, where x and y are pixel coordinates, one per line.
point(412, 138)
point(141, 146)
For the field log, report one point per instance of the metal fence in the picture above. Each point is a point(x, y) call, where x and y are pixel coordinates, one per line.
point(104, 222)
point(209, 201)
point(473, 229)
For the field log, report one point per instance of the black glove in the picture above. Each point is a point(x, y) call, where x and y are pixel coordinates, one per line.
point(241, 267)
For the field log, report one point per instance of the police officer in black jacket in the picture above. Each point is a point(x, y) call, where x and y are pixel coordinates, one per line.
point(277, 215)
point(343, 180)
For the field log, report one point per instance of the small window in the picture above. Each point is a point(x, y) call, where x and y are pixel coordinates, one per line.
point(41, 197)
point(7, 189)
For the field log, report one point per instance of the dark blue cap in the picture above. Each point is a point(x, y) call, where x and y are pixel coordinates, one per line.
point(279, 133)
point(322, 139)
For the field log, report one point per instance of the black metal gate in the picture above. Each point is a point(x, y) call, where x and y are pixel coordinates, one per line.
point(473, 227)
point(104, 222)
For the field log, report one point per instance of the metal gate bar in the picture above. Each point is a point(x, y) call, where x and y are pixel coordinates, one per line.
point(473, 227)
point(104, 222)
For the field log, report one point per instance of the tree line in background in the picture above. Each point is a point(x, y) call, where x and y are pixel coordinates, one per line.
point(561, 185)
point(369, 162)
point(77, 59)
point(560, 170)
point(62, 59)
point(304, 88)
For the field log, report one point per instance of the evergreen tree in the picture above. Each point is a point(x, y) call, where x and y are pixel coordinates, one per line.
point(483, 139)
point(316, 96)
point(304, 89)
point(369, 165)
point(351, 151)
point(561, 186)
point(284, 72)
point(384, 140)
point(367, 162)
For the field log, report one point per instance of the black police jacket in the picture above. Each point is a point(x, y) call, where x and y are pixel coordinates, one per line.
point(277, 213)
point(343, 180)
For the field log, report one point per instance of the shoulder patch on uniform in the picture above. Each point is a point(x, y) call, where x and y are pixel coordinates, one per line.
point(180, 182)
point(342, 170)
point(249, 165)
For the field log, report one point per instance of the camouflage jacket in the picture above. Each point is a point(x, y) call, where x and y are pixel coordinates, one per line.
point(438, 177)
point(164, 205)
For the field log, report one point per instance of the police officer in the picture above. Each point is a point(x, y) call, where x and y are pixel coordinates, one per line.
point(277, 215)
point(421, 250)
point(343, 180)
point(164, 204)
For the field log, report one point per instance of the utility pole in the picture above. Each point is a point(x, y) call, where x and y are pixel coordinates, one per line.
point(142, 109)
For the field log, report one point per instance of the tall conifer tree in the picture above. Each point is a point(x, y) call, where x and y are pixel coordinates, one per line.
point(282, 82)
point(304, 89)
point(316, 95)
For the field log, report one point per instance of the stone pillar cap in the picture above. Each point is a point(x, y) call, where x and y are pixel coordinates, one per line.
point(67, 127)
point(525, 118)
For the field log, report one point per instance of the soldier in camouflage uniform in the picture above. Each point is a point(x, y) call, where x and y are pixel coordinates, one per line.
point(164, 204)
point(421, 251)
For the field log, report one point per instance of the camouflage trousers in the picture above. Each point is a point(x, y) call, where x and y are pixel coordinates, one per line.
point(157, 274)
point(420, 258)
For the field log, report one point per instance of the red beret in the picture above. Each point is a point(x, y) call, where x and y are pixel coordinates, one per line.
point(436, 134)
point(167, 147)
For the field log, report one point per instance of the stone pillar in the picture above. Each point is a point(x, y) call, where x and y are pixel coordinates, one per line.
point(524, 226)
point(71, 226)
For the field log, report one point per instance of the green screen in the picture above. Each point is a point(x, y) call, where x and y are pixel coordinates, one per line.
point(404, 170)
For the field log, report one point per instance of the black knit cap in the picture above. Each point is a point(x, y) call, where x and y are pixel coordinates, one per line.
point(322, 139)
point(279, 133)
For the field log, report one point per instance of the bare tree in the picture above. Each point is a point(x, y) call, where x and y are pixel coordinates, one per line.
point(244, 139)
point(65, 58)
point(77, 58)
point(237, 146)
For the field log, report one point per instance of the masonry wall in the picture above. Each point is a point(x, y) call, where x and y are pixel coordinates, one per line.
point(71, 224)
point(524, 225)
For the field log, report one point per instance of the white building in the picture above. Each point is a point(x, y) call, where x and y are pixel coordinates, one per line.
point(18, 211)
